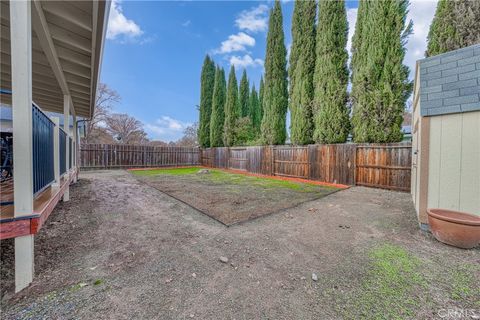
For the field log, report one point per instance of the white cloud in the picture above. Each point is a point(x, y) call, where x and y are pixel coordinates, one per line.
point(421, 12)
point(352, 19)
point(236, 42)
point(254, 20)
point(186, 23)
point(166, 128)
point(245, 61)
point(119, 25)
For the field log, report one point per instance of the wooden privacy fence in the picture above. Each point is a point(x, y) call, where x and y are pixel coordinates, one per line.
point(113, 156)
point(374, 165)
point(384, 166)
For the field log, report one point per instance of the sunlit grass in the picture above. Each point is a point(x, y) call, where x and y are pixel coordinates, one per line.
point(398, 284)
point(391, 287)
point(462, 280)
point(223, 177)
point(170, 171)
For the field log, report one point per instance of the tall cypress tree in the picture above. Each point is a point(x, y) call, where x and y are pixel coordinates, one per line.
point(443, 36)
point(254, 111)
point(295, 48)
point(260, 98)
point(359, 55)
point(382, 86)
point(275, 99)
point(231, 109)
point(358, 51)
point(467, 16)
point(455, 25)
point(206, 94)
point(301, 71)
point(243, 94)
point(218, 113)
point(331, 114)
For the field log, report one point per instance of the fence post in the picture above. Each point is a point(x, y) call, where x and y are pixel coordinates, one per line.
point(105, 156)
point(308, 163)
point(272, 167)
point(229, 155)
point(227, 158)
point(311, 160)
point(355, 164)
point(214, 157)
point(144, 156)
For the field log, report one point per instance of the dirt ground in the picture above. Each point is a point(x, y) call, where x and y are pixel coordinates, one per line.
point(123, 250)
point(233, 198)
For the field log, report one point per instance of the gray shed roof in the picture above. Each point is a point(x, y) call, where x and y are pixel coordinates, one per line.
point(450, 82)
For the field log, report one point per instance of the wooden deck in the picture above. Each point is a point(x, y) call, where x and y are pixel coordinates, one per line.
point(44, 203)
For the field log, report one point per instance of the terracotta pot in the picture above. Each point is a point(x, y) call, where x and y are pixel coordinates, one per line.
point(455, 228)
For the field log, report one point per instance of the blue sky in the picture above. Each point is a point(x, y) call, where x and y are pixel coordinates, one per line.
point(155, 49)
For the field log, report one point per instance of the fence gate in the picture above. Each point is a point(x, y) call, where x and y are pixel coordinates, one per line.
point(291, 161)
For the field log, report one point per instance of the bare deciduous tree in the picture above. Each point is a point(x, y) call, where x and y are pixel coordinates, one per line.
point(99, 135)
point(106, 98)
point(158, 143)
point(190, 136)
point(125, 129)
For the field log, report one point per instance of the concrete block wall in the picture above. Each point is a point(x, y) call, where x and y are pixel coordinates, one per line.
point(450, 82)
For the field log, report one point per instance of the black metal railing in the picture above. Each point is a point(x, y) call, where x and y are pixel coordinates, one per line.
point(69, 152)
point(62, 141)
point(43, 150)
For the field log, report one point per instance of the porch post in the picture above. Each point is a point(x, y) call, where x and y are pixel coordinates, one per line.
point(56, 151)
point(66, 128)
point(74, 145)
point(21, 55)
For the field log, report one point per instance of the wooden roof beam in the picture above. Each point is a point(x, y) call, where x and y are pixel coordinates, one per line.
point(70, 13)
point(100, 12)
point(40, 26)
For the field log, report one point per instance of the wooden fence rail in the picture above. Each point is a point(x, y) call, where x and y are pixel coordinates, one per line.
point(373, 165)
point(116, 156)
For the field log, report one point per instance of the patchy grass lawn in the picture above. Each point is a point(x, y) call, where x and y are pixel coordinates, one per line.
point(231, 197)
point(393, 287)
point(398, 284)
point(220, 176)
point(170, 171)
